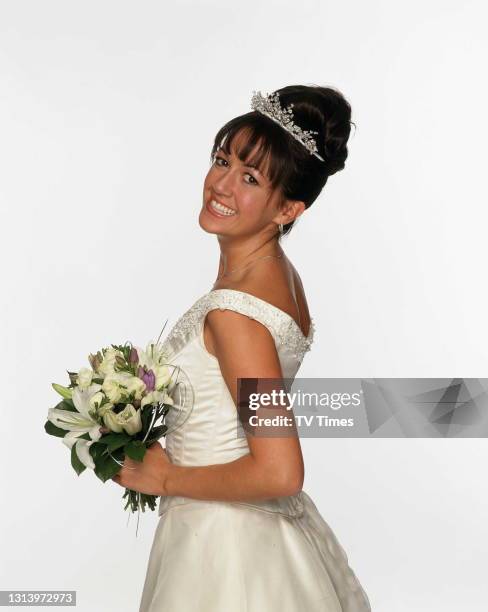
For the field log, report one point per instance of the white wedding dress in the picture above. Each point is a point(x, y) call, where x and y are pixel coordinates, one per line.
point(277, 555)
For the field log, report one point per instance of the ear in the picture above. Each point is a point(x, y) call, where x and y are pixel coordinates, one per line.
point(290, 211)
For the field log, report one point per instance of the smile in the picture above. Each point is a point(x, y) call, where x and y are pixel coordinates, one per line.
point(220, 209)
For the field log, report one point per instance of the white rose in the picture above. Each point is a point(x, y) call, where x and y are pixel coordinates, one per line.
point(111, 421)
point(112, 390)
point(114, 386)
point(104, 408)
point(84, 377)
point(130, 419)
point(96, 400)
point(108, 362)
point(135, 385)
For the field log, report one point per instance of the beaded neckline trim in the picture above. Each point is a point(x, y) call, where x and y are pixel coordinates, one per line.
point(283, 327)
point(290, 318)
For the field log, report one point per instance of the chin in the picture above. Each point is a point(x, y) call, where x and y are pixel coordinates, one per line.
point(211, 224)
point(208, 225)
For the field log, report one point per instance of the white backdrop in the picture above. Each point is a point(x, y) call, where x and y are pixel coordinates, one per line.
point(107, 113)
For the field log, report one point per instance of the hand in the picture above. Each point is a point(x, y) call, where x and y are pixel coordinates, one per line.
point(147, 476)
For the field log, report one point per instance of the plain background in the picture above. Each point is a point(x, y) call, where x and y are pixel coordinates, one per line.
point(107, 114)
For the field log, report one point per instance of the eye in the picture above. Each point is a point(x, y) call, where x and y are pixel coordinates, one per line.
point(251, 176)
point(221, 159)
point(217, 159)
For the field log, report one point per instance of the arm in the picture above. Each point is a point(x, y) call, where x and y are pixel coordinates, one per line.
point(274, 466)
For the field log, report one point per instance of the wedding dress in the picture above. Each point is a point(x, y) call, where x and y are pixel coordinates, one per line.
point(261, 556)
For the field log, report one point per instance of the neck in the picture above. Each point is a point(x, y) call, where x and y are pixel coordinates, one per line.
point(235, 253)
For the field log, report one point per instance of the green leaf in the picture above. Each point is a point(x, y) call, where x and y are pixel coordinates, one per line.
point(146, 417)
point(156, 434)
point(106, 467)
point(119, 454)
point(115, 440)
point(66, 404)
point(85, 436)
point(96, 450)
point(52, 430)
point(135, 449)
point(75, 462)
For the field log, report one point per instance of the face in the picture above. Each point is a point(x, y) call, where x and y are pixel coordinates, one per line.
point(238, 200)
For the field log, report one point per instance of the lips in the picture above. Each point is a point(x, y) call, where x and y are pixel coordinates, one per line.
point(216, 213)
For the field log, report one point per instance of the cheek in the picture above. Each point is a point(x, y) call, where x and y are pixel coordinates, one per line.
point(206, 182)
point(252, 207)
point(211, 176)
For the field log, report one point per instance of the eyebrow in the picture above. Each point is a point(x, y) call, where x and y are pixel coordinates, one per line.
point(253, 166)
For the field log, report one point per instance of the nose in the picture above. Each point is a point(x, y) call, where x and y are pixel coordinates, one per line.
point(223, 184)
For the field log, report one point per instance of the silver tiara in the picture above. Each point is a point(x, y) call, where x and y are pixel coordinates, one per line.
point(270, 106)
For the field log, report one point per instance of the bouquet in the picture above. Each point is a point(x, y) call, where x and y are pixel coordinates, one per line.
point(118, 408)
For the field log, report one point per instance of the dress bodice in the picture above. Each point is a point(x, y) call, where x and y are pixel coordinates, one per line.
point(210, 434)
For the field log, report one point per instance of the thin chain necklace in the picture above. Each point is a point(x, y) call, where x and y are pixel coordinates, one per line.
point(248, 264)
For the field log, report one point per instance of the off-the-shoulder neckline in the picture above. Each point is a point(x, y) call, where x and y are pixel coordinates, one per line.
point(288, 316)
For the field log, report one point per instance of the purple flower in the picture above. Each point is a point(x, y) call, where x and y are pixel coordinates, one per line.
point(133, 357)
point(148, 377)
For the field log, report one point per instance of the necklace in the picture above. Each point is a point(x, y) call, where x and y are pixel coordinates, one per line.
point(248, 264)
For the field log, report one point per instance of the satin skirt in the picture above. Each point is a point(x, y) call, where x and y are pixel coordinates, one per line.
point(266, 556)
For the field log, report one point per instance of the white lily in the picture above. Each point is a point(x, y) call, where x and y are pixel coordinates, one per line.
point(163, 376)
point(79, 423)
point(82, 448)
point(152, 357)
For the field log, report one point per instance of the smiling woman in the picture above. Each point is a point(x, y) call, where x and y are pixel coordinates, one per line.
point(278, 166)
point(237, 533)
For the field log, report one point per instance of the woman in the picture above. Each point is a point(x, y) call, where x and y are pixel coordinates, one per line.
point(236, 532)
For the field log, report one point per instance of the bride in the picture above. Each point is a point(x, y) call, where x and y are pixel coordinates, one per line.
point(236, 531)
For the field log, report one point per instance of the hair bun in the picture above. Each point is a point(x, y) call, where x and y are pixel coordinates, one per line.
point(326, 110)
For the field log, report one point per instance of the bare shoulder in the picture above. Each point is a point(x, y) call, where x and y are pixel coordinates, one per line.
point(277, 282)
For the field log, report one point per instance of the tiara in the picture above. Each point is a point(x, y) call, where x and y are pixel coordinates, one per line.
point(270, 106)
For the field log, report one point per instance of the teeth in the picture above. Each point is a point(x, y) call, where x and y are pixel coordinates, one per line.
point(222, 209)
